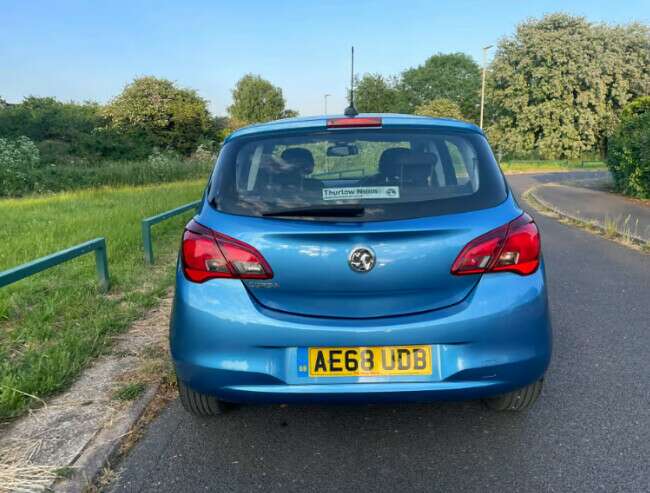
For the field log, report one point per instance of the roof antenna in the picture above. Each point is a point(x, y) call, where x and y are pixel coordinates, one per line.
point(351, 110)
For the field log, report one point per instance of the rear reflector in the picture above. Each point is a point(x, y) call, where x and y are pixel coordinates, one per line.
point(513, 247)
point(370, 121)
point(207, 254)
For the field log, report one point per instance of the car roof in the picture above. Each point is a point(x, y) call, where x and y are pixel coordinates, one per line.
point(388, 120)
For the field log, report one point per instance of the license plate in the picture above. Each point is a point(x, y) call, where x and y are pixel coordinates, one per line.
point(367, 361)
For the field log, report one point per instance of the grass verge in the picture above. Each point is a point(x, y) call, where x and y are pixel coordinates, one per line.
point(514, 167)
point(52, 324)
point(609, 230)
point(129, 391)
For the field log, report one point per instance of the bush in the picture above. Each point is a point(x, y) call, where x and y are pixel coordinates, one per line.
point(18, 158)
point(440, 108)
point(628, 156)
point(203, 153)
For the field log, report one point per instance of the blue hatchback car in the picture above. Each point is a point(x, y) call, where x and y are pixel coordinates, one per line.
point(359, 259)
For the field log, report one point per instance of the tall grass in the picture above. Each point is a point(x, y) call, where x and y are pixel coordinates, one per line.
point(159, 168)
point(53, 323)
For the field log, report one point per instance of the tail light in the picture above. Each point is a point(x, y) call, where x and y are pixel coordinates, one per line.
point(208, 255)
point(513, 247)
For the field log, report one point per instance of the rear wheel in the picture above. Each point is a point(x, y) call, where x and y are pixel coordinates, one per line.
point(200, 404)
point(517, 400)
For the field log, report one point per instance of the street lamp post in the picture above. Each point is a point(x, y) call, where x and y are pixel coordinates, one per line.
point(325, 103)
point(485, 50)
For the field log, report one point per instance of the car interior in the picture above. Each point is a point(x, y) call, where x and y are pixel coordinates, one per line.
point(397, 166)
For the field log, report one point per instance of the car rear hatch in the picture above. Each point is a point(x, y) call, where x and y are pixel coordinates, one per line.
point(400, 202)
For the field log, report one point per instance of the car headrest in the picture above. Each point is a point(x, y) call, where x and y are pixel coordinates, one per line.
point(300, 157)
point(417, 169)
point(275, 171)
point(390, 161)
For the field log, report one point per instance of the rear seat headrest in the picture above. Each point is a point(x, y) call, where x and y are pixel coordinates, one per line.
point(300, 157)
point(390, 161)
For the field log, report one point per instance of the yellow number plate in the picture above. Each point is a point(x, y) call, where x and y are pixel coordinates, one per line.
point(369, 361)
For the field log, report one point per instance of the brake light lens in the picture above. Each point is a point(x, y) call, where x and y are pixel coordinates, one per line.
point(369, 121)
point(207, 254)
point(513, 247)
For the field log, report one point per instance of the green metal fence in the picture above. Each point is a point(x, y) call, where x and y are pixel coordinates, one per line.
point(150, 221)
point(98, 245)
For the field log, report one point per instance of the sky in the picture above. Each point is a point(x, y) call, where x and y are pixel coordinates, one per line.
point(89, 50)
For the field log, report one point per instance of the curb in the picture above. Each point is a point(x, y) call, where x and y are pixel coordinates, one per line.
point(103, 447)
point(592, 222)
point(551, 171)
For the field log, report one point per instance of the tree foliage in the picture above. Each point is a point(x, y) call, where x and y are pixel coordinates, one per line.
point(49, 119)
point(440, 108)
point(558, 85)
point(66, 131)
point(168, 116)
point(452, 76)
point(256, 100)
point(629, 150)
point(289, 113)
point(376, 94)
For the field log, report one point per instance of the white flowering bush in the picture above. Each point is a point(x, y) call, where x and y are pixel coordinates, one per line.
point(18, 158)
point(161, 164)
point(203, 153)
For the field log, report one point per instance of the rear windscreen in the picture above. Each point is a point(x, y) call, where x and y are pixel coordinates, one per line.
point(361, 174)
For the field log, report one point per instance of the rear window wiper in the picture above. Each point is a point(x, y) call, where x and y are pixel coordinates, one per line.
point(319, 211)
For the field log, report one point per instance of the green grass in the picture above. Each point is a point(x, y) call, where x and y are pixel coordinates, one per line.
point(52, 324)
point(129, 391)
point(550, 166)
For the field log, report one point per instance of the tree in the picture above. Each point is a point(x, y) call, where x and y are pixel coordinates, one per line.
point(63, 132)
point(289, 114)
point(375, 94)
point(3, 103)
point(628, 155)
point(453, 76)
point(558, 86)
point(168, 116)
point(46, 118)
point(440, 108)
point(256, 100)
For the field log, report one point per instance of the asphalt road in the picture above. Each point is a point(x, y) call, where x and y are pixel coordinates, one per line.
point(590, 430)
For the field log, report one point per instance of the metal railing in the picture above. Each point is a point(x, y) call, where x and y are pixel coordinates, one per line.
point(150, 221)
point(98, 245)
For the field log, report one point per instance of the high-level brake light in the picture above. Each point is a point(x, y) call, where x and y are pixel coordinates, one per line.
point(368, 121)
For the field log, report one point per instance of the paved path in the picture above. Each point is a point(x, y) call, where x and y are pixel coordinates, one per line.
point(629, 216)
point(589, 432)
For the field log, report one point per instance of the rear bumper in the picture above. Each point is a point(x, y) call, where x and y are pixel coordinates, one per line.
point(225, 344)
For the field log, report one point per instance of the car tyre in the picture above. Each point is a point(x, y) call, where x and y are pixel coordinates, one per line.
point(200, 404)
point(517, 400)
